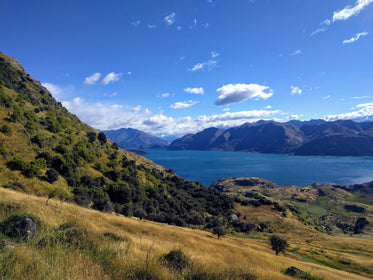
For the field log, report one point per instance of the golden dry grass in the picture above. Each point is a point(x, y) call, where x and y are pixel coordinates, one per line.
point(143, 242)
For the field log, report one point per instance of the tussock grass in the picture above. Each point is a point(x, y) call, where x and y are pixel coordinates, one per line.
point(117, 247)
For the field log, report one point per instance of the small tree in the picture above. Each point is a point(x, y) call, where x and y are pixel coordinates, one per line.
point(219, 231)
point(278, 244)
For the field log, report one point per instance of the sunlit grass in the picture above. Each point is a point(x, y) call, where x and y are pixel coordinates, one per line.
point(126, 248)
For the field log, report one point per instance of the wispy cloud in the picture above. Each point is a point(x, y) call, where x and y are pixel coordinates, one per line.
point(136, 23)
point(54, 89)
point(296, 52)
point(183, 105)
point(164, 95)
point(361, 97)
point(111, 78)
point(295, 90)
point(194, 90)
point(318, 31)
point(170, 19)
point(354, 39)
point(326, 97)
point(208, 65)
point(349, 11)
point(236, 93)
point(326, 22)
point(151, 26)
point(93, 79)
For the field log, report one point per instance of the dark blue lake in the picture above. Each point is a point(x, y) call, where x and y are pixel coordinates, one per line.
point(208, 166)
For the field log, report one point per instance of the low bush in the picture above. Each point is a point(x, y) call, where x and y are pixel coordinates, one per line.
point(175, 260)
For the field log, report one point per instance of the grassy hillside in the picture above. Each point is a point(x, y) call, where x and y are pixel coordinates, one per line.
point(117, 247)
point(327, 208)
point(46, 151)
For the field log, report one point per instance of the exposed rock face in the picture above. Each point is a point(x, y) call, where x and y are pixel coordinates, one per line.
point(343, 137)
point(293, 271)
point(20, 227)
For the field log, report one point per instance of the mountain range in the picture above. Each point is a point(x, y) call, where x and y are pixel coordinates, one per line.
point(316, 137)
point(129, 138)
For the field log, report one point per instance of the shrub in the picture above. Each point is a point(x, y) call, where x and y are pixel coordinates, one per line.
point(52, 175)
point(91, 135)
point(175, 260)
point(6, 129)
point(102, 138)
point(17, 164)
point(278, 244)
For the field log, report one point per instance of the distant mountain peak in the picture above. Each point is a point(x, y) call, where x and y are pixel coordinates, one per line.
point(130, 138)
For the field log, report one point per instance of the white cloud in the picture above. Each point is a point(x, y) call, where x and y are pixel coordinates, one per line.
point(214, 54)
point(183, 105)
point(296, 52)
point(326, 97)
point(231, 94)
point(129, 73)
point(268, 107)
point(349, 11)
point(170, 19)
point(93, 79)
point(54, 89)
point(209, 65)
point(354, 39)
point(295, 90)
point(205, 25)
point(111, 78)
point(151, 26)
point(136, 23)
point(136, 109)
point(318, 31)
point(113, 116)
point(364, 113)
point(179, 27)
point(194, 90)
point(292, 117)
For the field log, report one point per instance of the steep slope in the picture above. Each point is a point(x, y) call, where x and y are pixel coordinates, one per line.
point(129, 138)
point(317, 137)
point(47, 151)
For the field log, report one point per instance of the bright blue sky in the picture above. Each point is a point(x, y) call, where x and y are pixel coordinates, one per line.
point(175, 67)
